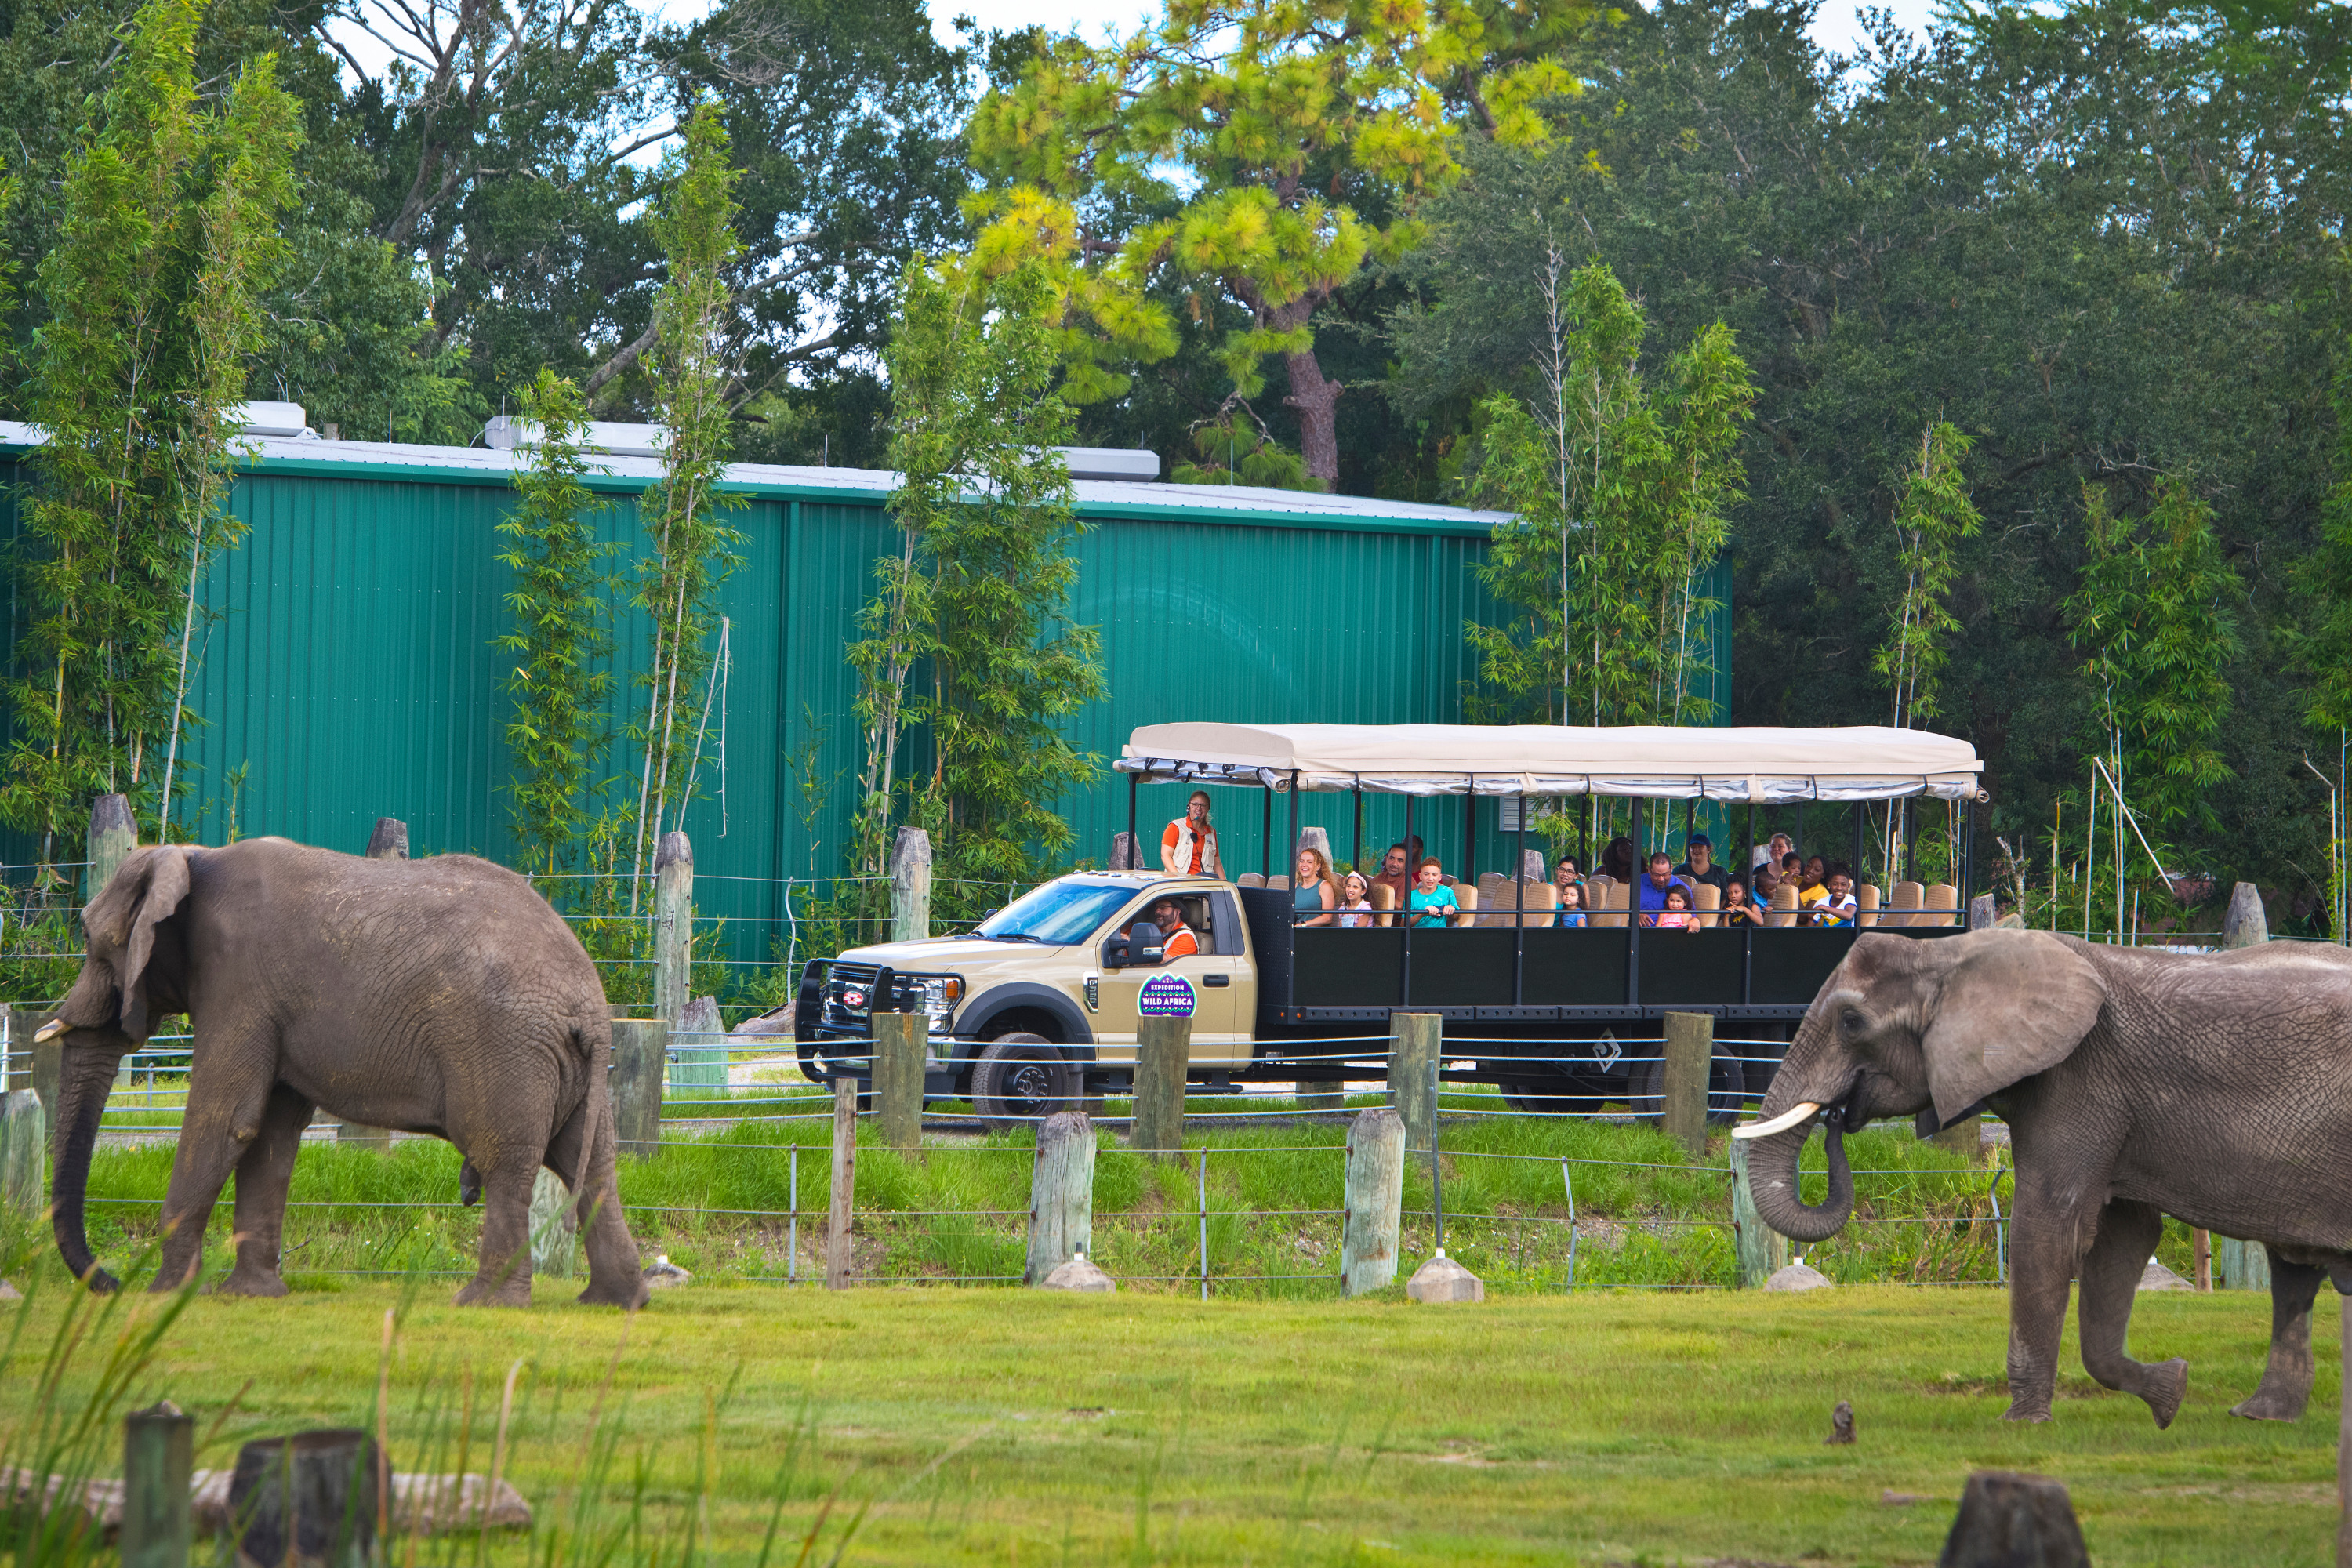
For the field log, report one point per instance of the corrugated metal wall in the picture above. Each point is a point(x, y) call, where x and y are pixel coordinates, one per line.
point(350, 670)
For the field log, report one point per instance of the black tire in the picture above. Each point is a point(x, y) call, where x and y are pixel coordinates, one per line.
point(1018, 1080)
point(1551, 1097)
point(1726, 1088)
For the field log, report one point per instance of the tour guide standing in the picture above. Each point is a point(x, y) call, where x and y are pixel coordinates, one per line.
point(1189, 847)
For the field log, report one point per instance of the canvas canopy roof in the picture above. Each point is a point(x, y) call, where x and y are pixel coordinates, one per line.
point(1755, 764)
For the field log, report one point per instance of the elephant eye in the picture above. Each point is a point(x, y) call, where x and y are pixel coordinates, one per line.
point(1851, 1022)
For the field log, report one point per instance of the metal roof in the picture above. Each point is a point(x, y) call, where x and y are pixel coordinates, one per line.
point(483, 464)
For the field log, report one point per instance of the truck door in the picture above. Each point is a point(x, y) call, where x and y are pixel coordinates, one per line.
point(1214, 976)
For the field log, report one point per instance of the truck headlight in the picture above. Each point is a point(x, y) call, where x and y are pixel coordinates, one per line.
point(940, 994)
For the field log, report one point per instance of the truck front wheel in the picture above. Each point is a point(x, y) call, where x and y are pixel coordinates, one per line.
point(1021, 1079)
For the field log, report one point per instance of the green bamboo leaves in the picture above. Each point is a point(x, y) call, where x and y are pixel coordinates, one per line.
point(170, 236)
point(1621, 494)
point(562, 635)
point(1932, 515)
point(975, 597)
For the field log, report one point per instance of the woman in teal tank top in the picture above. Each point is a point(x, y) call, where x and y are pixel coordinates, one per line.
point(1311, 895)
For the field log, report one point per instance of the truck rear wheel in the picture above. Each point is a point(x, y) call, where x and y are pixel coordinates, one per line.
point(1018, 1080)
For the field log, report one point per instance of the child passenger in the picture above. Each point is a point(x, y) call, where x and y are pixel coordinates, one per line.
point(1736, 909)
point(1676, 915)
point(1836, 908)
point(1433, 903)
point(1355, 902)
point(1571, 906)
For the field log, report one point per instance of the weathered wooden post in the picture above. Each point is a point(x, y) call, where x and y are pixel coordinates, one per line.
point(844, 1182)
point(900, 1045)
point(2008, 1518)
point(1763, 1251)
point(1061, 1194)
point(673, 926)
point(1414, 1040)
point(1983, 911)
point(2240, 1264)
point(159, 1455)
point(1690, 1050)
point(1369, 1235)
point(911, 886)
point(23, 1150)
point(2245, 925)
point(309, 1498)
point(1964, 1136)
point(389, 841)
point(1163, 1047)
point(555, 1228)
point(1122, 853)
point(112, 837)
point(2200, 1258)
point(640, 1053)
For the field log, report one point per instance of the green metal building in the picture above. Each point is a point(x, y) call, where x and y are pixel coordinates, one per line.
point(349, 671)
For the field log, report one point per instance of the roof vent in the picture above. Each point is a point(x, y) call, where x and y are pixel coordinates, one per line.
point(285, 421)
point(615, 440)
point(1128, 463)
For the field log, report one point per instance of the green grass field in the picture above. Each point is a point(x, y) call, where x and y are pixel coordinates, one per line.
point(1014, 1427)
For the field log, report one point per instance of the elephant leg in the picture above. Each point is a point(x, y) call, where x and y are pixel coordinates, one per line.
point(263, 1177)
point(2112, 1270)
point(223, 1121)
point(503, 1275)
point(2041, 1262)
point(585, 1154)
point(2287, 1381)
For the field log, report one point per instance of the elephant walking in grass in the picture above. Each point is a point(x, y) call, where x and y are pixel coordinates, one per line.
point(438, 995)
point(2214, 1088)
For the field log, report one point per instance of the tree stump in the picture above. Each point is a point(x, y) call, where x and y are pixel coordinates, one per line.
point(113, 834)
point(1763, 1251)
point(2010, 1520)
point(309, 1500)
point(2245, 925)
point(1163, 1049)
point(1690, 1051)
point(1414, 1041)
point(900, 1046)
point(640, 1052)
point(1368, 1234)
point(555, 1228)
point(1061, 1195)
point(23, 1150)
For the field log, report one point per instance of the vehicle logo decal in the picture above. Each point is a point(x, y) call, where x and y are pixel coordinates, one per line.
point(852, 998)
point(1608, 1053)
point(1166, 996)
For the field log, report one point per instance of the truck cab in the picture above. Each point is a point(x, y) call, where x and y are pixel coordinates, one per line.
point(1037, 1007)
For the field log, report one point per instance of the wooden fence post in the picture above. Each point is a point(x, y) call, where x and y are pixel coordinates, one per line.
point(1122, 852)
point(159, 1455)
point(1964, 1136)
point(1414, 1040)
point(1163, 1048)
point(112, 837)
point(1368, 1234)
point(1984, 911)
point(555, 1228)
point(900, 1045)
point(1690, 1050)
point(911, 886)
point(844, 1182)
point(23, 1150)
point(640, 1052)
point(2245, 925)
point(673, 926)
point(1061, 1194)
point(1763, 1251)
point(2240, 1264)
point(389, 840)
point(2200, 1258)
point(309, 1498)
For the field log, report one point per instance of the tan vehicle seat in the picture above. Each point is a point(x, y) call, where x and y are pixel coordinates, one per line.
point(1942, 903)
point(1542, 903)
point(1865, 905)
point(1707, 898)
point(1278, 884)
point(1610, 903)
point(1249, 879)
point(1784, 907)
point(1383, 904)
point(1905, 904)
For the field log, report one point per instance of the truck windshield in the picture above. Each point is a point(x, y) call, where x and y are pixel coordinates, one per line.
point(1058, 914)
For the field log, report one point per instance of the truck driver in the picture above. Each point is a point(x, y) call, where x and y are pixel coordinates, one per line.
point(1176, 938)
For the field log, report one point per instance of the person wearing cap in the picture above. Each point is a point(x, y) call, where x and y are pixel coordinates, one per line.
point(1176, 938)
point(1701, 867)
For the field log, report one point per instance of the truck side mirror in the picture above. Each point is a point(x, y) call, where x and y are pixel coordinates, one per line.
point(1115, 952)
point(1150, 947)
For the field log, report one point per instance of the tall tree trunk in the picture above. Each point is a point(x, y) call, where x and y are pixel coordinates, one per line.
point(1317, 402)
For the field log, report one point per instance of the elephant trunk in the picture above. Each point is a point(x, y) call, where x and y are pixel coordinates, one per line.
point(1772, 1174)
point(85, 1077)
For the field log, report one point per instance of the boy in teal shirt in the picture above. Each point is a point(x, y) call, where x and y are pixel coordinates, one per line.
point(1433, 901)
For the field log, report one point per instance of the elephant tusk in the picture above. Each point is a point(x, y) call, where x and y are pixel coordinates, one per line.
point(1804, 1111)
point(49, 1031)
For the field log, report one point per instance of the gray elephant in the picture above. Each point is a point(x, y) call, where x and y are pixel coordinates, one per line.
point(440, 996)
point(2215, 1089)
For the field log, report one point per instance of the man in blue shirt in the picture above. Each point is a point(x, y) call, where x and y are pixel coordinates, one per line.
point(1655, 884)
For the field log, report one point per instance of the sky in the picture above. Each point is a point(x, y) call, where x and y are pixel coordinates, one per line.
point(1836, 28)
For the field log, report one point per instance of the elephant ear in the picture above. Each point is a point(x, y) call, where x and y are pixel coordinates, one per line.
point(143, 893)
point(2014, 1003)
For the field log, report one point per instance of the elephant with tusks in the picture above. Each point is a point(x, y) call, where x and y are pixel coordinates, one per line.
point(2214, 1087)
